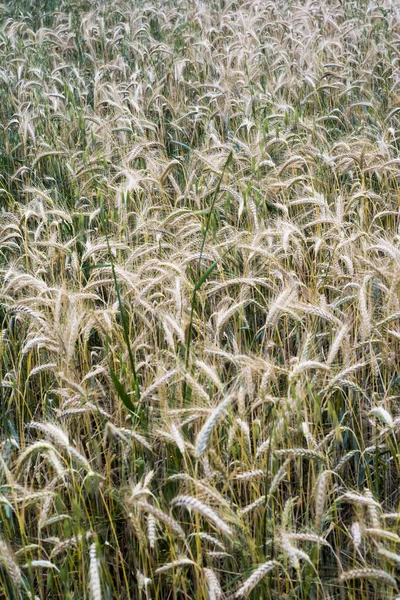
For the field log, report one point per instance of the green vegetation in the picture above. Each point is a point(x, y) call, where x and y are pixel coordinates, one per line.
point(199, 300)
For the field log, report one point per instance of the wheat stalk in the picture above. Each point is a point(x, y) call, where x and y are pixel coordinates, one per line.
point(205, 432)
point(255, 577)
point(195, 504)
point(95, 583)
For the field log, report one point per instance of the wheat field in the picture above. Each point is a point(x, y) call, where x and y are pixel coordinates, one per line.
point(200, 299)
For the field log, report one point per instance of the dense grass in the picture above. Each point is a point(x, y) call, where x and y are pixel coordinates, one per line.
point(199, 300)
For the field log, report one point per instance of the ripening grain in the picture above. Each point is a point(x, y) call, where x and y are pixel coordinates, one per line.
point(199, 299)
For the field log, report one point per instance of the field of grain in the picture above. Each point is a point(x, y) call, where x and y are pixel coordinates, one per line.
point(199, 299)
